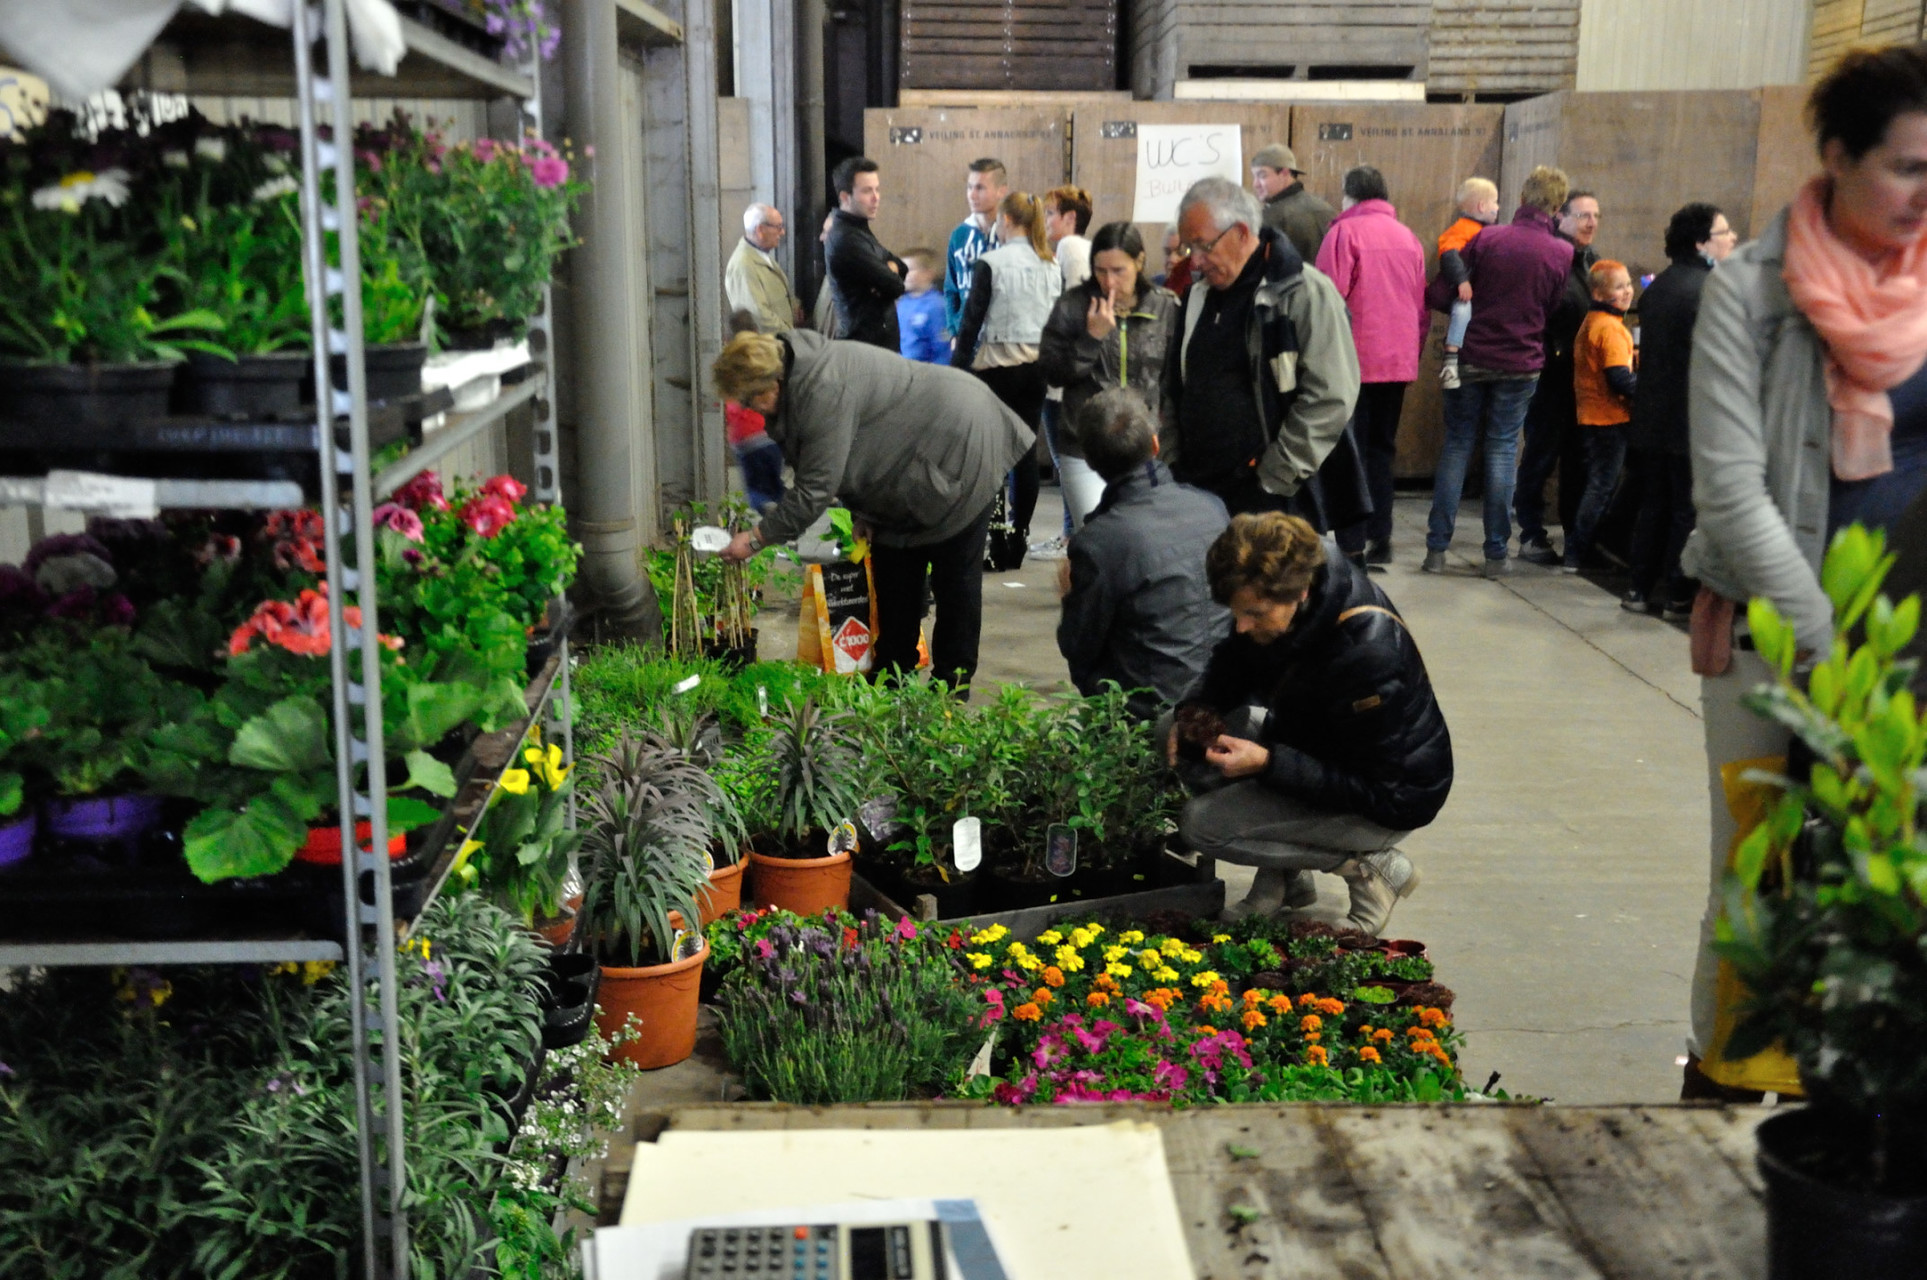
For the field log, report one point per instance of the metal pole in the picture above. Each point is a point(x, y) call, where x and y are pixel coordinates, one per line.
point(814, 180)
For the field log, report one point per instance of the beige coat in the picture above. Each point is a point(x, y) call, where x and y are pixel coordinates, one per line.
point(754, 284)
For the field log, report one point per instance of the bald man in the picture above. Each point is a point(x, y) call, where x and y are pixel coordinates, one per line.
point(754, 282)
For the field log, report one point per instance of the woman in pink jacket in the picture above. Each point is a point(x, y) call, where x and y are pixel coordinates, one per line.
point(1379, 268)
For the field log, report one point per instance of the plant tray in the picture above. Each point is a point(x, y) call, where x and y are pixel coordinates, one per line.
point(1198, 891)
point(48, 901)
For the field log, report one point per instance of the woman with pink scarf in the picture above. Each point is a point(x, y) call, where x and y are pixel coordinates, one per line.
point(1808, 406)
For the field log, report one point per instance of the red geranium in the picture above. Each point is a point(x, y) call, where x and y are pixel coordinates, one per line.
point(488, 514)
point(506, 487)
point(296, 537)
point(299, 626)
point(423, 493)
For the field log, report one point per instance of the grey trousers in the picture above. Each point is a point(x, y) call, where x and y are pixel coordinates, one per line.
point(1250, 824)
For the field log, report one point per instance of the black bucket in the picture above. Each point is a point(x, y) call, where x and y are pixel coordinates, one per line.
point(394, 369)
point(1818, 1230)
point(59, 397)
point(254, 386)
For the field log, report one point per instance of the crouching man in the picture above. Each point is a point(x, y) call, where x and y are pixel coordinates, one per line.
point(1136, 608)
point(1322, 744)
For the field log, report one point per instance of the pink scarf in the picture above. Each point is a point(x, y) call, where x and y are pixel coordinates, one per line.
point(1873, 320)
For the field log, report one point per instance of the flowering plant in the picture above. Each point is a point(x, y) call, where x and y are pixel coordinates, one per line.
point(520, 851)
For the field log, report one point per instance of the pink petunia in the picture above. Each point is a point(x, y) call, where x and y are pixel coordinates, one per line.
point(392, 515)
point(549, 171)
point(764, 949)
point(906, 930)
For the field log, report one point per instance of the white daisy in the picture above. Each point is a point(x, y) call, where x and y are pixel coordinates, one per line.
point(77, 188)
point(274, 188)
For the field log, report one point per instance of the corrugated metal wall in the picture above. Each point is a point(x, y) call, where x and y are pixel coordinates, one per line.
point(1706, 44)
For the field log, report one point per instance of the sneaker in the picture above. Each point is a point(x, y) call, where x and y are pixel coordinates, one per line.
point(1052, 549)
point(1267, 895)
point(1378, 555)
point(1571, 564)
point(1434, 562)
point(1377, 882)
point(1636, 601)
point(1449, 375)
point(1538, 551)
point(1497, 568)
point(1678, 610)
point(1301, 890)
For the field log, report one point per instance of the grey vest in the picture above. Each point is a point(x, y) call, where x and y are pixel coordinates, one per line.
point(1023, 289)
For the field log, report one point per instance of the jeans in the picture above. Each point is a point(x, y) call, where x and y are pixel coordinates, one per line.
point(762, 466)
point(1082, 487)
point(954, 572)
point(1551, 417)
point(1492, 409)
point(1021, 387)
point(1455, 328)
point(1665, 520)
point(1253, 825)
point(1375, 424)
point(1052, 425)
point(1605, 455)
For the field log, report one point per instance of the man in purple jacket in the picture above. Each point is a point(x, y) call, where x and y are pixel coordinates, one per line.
point(1518, 275)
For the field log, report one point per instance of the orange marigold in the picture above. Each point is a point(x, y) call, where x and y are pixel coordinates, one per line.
point(1042, 996)
point(1215, 1004)
point(1418, 1033)
point(1313, 1037)
point(1162, 997)
point(1053, 976)
point(1279, 1004)
point(1218, 988)
point(1097, 999)
point(1382, 1034)
point(1027, 1013)
point(1330, 1008)
point(1317, 1057)
point(1311, 1022)
point(1104, 982)
point(1432, 1017)
point(1368, 1054)
point(1253, 997)
point(1307, 1000)
point(1253, 1019)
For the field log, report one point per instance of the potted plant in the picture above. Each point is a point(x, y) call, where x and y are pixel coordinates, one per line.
point(1826, 925)
point(86, 337)
point(23, 715)
point(393, 299)
point(645, 836)
point(521, 851)
point(813, 763)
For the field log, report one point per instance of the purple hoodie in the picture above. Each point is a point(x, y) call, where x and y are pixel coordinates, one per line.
point(1518, 275)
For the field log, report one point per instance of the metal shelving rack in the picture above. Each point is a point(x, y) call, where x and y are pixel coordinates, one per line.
point(236, 56)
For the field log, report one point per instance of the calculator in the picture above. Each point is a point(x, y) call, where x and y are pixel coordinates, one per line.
point(822, 1251)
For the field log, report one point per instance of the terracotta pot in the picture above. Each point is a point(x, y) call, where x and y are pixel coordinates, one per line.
point(663, 998)
point(557, 930)
point(323, 847)
point(806, 886)
point(725, 892)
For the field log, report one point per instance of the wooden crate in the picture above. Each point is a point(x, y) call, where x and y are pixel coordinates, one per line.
point(1785, 156)
point(925, 154)
point(1173, 40)
point(1503, 46)
point(1424, 151)
point(1009, 44)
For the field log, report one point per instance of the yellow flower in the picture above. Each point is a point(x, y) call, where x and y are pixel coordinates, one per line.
point(1114, 954)
point(1204, 979)
point(1118, 970)
point(1220, 937)
point(1050, 937)
point(1150, 957)
point(1029, 963)
point(1171, 947)
point(515, 781)
point(977, 959)
point(1094, 929)
point(1068, 960)
point(1017, 949)
point(459, 868)
point(286, 966)
point(1134, 935)
point(1190, 956)
point(986, 936)
point(548, 765)
point(313, 971)
point(1166, 974)
point(1081, 938)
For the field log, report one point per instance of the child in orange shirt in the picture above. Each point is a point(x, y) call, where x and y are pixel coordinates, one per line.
point(1603, 379)
point(1478, 209)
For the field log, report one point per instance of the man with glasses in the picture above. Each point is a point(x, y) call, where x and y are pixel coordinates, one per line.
point(1262, 376)
point(1552, 429)
point(754, 282)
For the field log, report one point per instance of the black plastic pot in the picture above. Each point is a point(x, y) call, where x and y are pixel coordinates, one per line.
point(543, 644)
point(732, 657)
point(1816, 1229)
point(57, 397)
point(394, 369)
point(955, 899)
point(1007, 889)
point(263, 386)
point(566, 1022)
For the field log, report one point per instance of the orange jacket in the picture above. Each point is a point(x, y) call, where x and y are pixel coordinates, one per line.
point(1459, 234)
point(1603, 343)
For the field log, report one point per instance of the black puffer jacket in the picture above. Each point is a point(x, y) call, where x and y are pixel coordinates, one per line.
point(1353, 725)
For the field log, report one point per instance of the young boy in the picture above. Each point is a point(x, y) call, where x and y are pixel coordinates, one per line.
point(1603, 380)
point(920, 311)
point(1478, 209)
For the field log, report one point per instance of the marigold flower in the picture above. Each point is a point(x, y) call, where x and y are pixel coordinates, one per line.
point(1069, 961)
point(1418, 1033)
point(1113, 954)
point(1151, 958)
point(1042, 996)
point(1220, 937)
point(1029, 963)
point(1311, 1022)
point(1081, 938)
point(1027, 1013)
point(1382, 1035)
point(1307, 1000)
point(1050, 937)
point(1131, 937)
point(1166, 974)
point(1330, 1008)
point(1053, 976)
point(1253, 996)
point(1432, 1017)
point(1317, 1057)
point(1162, 997)
point(1253, 1019)
point(1190, 955)
point(1097, 999)
point(978, 960)
point(994, 933)
point(1204, 979)
point(1119, 970)
point(1369, 1054)
point(1171, 947)
point(1104, 982)
point(1279, 1004)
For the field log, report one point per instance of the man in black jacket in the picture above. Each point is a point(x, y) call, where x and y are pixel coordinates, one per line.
point(1136, 609)
point(1551, 429)
point(866, 279)
point(1348, 751)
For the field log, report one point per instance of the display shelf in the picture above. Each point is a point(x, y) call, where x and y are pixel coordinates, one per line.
point(116, 951)
point(238, 56)
point(457, 431)
point(116, 495)
point(639, 22)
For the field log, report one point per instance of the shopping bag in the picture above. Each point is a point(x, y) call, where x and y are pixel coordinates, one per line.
point(1771, 1070)
point(837, 624)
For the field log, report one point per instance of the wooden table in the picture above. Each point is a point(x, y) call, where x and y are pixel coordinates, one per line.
point(1322, 1192)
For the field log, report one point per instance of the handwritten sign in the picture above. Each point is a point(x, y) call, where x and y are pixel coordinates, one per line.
point(1170, 157)
point(23, 102)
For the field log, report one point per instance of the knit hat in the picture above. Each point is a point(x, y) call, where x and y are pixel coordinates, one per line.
point(1275, 156)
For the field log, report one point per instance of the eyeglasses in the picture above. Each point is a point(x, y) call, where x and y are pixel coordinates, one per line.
point(1200, 250)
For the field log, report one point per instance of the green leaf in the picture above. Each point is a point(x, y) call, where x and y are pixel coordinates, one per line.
point(1749, 861)
point(290, 736)
point(430, 774)
point(1374, 995)
point(12, 793)
point(259, 840)
point(405, 813)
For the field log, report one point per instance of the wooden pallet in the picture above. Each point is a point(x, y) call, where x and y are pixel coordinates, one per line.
point(1009, 44)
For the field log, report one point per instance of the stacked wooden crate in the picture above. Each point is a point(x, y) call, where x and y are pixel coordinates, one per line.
point(1510, 47)
point(1839, 25)
point(1009, 44)
point(1173, 40)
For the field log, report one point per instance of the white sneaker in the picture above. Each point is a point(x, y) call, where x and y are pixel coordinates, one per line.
point(1377, 882)
point(1051, 549)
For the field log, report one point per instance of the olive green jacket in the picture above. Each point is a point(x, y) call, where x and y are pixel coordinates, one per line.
point(754, 284)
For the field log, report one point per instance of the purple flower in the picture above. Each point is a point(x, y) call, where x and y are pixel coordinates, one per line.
point(392, 515)
point(1091, 1043)
point(5, 1070)
point(437, 974)
point(1169, 1075)
point(497, 24)
point(117, 611)
point(64, 544)
point(549, 171)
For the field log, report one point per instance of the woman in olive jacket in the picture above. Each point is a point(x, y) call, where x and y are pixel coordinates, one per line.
point(1114, 330)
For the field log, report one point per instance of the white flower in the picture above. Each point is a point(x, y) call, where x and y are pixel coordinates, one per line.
point(79, 187)
point(274, 188)
point(214, 149)
point(174, 159)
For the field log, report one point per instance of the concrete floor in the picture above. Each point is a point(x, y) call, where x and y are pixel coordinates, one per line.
point(1564, 880)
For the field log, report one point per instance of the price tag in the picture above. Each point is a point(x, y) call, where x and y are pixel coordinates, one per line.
point(967, 843)
point(762, 701)
point(684, 686)
point(707, 537)
point(843, 839)
point(1060, 850)
point(684, 945)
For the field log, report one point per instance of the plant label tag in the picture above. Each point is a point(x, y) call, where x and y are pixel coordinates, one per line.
point(684, 945)
point(684, 686)
point(980, 1065)
point(967, 843)
point(709, 538)
point(762, 701)
point(1060, 850)
point(709, 859)
point(843, 839)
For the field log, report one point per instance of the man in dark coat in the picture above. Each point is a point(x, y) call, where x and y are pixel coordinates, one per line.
point(1319, 720)
point(1263, 376)
point(916, 451)
point(1552, 419)
point(866, 279)
point(1136, 607)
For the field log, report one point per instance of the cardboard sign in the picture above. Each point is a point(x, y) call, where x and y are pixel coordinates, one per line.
point(1170, 157)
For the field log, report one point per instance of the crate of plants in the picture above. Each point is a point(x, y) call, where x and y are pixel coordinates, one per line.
point(159, 312)
point(832, 1008)
point(157, 1113)
point(166, 752)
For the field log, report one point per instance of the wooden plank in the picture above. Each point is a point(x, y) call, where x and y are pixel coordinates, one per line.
point(1729, 1131)
point(1451, 1193)
point(974, 98)
point(1647, 1193)
point(925, 153)
point(1784, 158)
point(1042, 71)
point(1424, 151)
point(1533, 132)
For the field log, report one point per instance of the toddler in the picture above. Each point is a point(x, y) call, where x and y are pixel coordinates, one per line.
point(1478, 209)
point(1603, 380)
point(920, 315)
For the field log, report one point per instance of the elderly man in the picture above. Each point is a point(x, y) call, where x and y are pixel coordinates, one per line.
point(1323, 746)
point(1136, 609)
point(916, 451)
point(753, 281)
point(1262, 377)
point(1277, 180)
